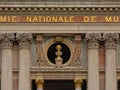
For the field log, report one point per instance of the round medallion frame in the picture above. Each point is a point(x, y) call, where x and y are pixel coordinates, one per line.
point(65, 41)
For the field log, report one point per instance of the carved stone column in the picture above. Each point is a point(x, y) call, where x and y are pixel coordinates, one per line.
point(40, 82)
point(6, 69)
point(78, 83)
point(24, 61)
point(111, 59)
point(93, 61)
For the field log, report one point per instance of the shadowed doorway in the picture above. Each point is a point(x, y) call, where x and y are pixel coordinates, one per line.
point(59, 85)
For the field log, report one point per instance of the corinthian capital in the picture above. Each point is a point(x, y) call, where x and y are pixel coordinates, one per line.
point(92, 40)
point(24, 40)
point(6, 40)
point(111, 39)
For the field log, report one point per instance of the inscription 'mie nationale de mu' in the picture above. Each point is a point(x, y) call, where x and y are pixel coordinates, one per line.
point(59, 19)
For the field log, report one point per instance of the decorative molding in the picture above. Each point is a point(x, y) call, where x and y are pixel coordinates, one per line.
point(111, 39)
point(24, 40)
point(59, 10)
point(77, 61)
point(39, 47)
point(78, 82)
point(92, 40)
point(6, 40)
point(48, 43)
point(40, 82)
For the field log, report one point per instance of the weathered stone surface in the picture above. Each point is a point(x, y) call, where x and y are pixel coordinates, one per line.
point(59, 0)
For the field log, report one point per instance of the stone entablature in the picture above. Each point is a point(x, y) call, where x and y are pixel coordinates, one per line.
point(60, 8)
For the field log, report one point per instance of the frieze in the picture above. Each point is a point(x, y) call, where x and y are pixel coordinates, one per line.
point(59, 18)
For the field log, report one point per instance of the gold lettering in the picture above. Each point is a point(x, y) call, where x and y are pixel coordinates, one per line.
point(40, 18)
point(13, 18)
point(54, 19)
point(72, 19)
point(48, 19)
point(28, 19)
point(35, 19)
point(60, 19)
point(66, 19)
point(8, 19)
point(93, 19)
point(116, 19)
point(3, 19)
point(86, 19)
point(43, 18)
point(108, 19)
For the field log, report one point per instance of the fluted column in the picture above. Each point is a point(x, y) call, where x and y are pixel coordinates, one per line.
point(24, 61)
point(6, 69)
point(78, 83)
point(40, 82)
point(110, 64)
point(93, 61)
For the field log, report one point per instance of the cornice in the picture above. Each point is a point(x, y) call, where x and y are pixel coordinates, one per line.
point(59, 4)
point(60, 10)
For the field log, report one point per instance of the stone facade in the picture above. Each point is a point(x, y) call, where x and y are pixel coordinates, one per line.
point(59, 0)
point(86, 52)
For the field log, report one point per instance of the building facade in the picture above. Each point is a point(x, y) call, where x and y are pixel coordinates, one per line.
point(60, 45)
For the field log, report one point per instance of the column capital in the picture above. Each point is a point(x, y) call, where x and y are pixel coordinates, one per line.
point(40, 82)
point(6, 40)
point(24, 40)
point(111, 39)
point(92, 40)
point(78, 82)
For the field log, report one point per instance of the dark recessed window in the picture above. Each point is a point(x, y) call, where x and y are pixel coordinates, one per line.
point(65, 52)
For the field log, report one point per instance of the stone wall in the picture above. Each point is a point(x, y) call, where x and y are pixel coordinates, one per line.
point(59, 0)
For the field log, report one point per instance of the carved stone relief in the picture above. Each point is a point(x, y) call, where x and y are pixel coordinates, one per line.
point(58, 52)
point(7, 40)
point(77, 61)
point(24, 40)
point(92, 40)
point(39, 47)
point(111, 39)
